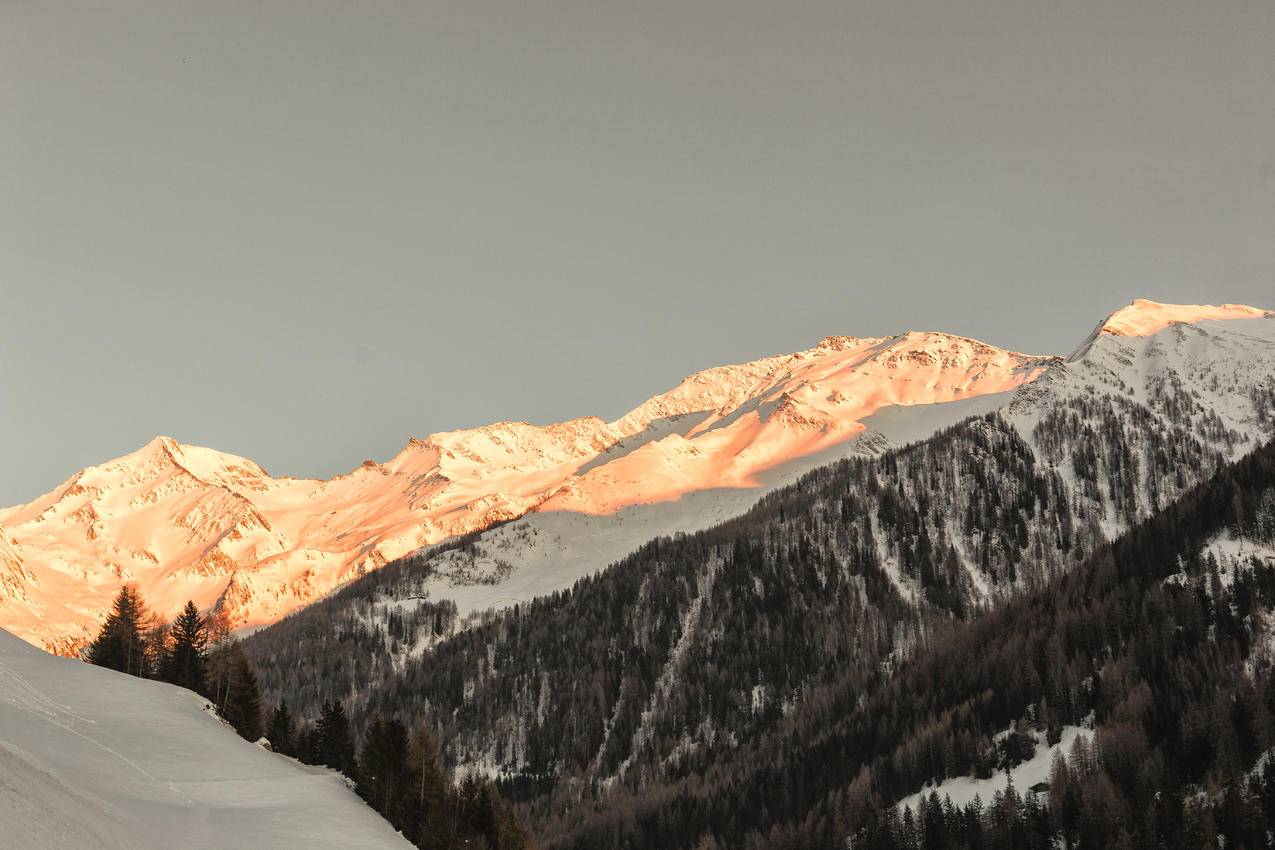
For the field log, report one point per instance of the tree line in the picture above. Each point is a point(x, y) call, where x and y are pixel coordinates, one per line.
point(608, 700)
point(194, 652)
point(697, 690)
point(398, 774)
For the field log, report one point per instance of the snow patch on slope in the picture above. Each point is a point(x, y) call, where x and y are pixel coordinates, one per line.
point(963, 789)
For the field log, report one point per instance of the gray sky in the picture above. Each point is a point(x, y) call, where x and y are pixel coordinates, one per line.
point(304, 232)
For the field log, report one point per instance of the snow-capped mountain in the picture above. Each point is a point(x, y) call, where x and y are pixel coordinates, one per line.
point(1174, 373)
point(679, 657)
point(1205, 372)
point(188, 522)
point(92, 758)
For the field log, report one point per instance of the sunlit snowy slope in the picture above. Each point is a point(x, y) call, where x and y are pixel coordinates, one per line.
point(1148, 372)
point(188, 522)
point(91, 758)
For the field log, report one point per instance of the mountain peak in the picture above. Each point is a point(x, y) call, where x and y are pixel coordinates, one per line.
point(1144, 317)
point(843, 343)
point(208, 465)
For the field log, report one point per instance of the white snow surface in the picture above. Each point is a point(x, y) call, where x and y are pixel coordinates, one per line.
point(186, 522)
point(93, 759)
point(1145, 318)
point(189, 522)
point(549, 550)
point(963, 789)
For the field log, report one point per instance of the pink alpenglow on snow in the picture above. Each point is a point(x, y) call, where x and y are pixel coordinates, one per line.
point(185, 522)
point(1144, 318)
point(189, 522)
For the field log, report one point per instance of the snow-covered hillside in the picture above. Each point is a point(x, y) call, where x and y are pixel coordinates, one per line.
point(91, 758)
point(1149, 380)
point(1200, 373)
point(189, 522)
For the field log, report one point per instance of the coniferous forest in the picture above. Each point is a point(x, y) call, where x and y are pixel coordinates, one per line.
point(784, 679)
point(770, 682)
point(714, 425)
point(397, 772)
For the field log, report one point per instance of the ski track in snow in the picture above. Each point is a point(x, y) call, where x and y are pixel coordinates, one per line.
point(26, 696)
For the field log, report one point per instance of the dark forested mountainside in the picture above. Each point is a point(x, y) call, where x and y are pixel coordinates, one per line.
point(647, 674)
point(1152, 639)
point(1121, 454)
point(890, 534)
point(1160, 640)
point(1102, 459)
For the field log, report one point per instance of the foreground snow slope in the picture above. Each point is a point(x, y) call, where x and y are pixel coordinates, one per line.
point(91, 758)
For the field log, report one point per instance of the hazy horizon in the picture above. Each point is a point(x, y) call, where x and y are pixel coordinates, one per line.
point(303, 234)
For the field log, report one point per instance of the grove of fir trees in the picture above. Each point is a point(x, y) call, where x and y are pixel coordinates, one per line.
point(193, 652)
point(398, 775)
point(726, 683)
point(185, 660)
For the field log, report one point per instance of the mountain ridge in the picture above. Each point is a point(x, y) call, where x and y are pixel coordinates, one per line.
point(187, 521)
point(1143, 317)
point(664, 664)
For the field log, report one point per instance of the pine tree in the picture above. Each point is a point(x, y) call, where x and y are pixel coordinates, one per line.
point(218, 668)
point(306, 743)
point(184, 664)
point(335, 746)
point(245, 703)
point(281, 730)
point(120, 644)
point(383, 765)
point(219, 627)
point(233, 687)
point(483, 814)
point(156, 637)
point(427, 814)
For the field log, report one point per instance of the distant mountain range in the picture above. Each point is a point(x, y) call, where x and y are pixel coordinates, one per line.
point(189, 522)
